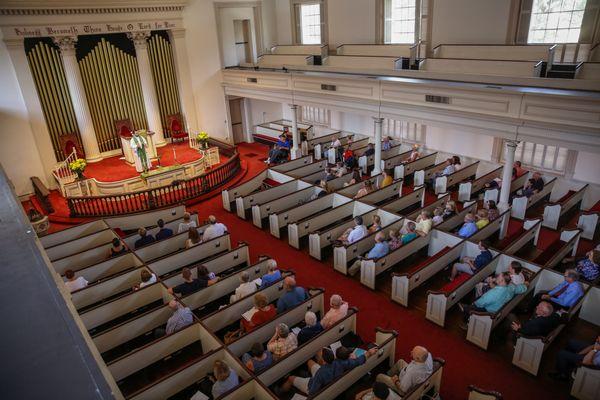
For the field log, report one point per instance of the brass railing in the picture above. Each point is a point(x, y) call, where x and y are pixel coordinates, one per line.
point(150, 199)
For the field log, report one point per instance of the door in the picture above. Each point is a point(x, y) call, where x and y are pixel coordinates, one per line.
point(235, 116)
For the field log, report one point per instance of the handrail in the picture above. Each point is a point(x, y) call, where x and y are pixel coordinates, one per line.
point(150, 199)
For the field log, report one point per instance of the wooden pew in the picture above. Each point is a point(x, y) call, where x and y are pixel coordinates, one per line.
point(147, 218)
point(107, 268)
point(363, 63)
point(386, 341)
point(423, 162)
point(281, 60)
point(413, 199)
point(292, 317)
point(432, 383)
point(520, 204)
point(442, 183)
point(381, 50)
point(365, 162)
point(423, 176)
point(443, 248)
point(299, 356)
point(467, 189)
point(81, 260)
point(73, 233)
point(118, 285)
point(262, 181)
point(243, 203)
point(481, 324)
point(172, 263)
point(306, 49)
point(440, 202)
point(559, 206)
point(293, 164)
point(528, 233)
point(529, 349)
point(352, 190)
point(567, 243)
point(321, 141)
point(358, 146)
point(80, 244)
point(499, 225)
point(309, 169)
point(124, 308)
point(337, 184)
point(452, 223)
point(250, 390)
point(382, 196)
point(482, 67)
point(292, 199)
point(187, 376)
point(279, 220)
point(587, 378)
point(536, 52)
point(441, 300)
point(588, 223)
point(166, 247)
point(342, 255)
point(130, 240)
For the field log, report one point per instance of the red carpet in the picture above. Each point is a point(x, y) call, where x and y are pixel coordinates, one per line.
point(115, 169)
point(465, 363)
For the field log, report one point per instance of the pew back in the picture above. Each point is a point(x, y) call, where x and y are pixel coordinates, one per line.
point(73, 233)
point(146, 218)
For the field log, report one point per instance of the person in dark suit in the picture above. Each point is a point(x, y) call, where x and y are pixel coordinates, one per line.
point(543, 321)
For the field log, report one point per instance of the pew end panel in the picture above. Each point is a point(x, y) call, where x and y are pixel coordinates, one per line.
point(586, 385)
point(476, 393)
point(590, 308)
point(529, 350)
point(434, 381)
point(588, 223)
point(251, 389)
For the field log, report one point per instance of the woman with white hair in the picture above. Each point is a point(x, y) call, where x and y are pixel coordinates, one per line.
point(338, 310)
point(311, 329)
point(273, 275)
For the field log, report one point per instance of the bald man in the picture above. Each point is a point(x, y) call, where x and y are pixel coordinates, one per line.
point(402, 377)
point(214, 229)
point(338, 309)
point(293, 296)
point(543, 321)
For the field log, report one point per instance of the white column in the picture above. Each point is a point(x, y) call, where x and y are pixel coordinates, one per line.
point(378, 126)
point(509, 160)
point(78, 97)
point(296, 148)
point(139, 39)
point(184, 79)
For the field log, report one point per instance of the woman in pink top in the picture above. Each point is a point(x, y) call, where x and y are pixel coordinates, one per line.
point(337, 311)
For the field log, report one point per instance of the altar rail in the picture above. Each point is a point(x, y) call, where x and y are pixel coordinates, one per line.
point(102, 206)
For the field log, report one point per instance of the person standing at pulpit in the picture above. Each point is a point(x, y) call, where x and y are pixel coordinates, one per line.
point(139, 145)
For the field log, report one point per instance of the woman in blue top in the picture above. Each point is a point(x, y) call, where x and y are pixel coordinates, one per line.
point(258, 359)
point(225, 378)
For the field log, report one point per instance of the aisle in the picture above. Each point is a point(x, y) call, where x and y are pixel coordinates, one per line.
point(465, 363)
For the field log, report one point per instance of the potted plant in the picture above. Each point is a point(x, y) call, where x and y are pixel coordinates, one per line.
point(78, 166)
point(203, 140)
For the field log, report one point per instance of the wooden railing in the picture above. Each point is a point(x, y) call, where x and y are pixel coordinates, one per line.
point(177, 192)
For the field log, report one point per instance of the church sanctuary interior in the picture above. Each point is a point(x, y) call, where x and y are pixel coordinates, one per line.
point(300, 199)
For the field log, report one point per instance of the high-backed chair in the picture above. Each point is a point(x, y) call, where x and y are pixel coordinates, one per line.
point(70, 142)
point(176, 127)
point(124, 128)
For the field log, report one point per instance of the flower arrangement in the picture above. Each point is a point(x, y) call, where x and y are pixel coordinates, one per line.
point(78, 166)
point(203, 139)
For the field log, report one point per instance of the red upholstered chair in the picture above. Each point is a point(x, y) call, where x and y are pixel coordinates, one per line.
point(124, 128)
point(176, 128)
point(70, 142)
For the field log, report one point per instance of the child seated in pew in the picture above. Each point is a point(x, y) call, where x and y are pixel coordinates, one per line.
point(492, 209)
point(515, 270)
point(376, 225)
point(73, 283)
point(117, 248)
point(470, 265)
point(482, 219)
point(449, 210)
point(438, 215)
point(326, 369)
point(258, 359)
point(494, 299)
point(147, 278)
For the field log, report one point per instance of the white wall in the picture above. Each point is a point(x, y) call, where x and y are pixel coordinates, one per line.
point(470, 21)
point(265, 111)
point(284, 22)
point(459, 142)
point(229, 49)
point(18, 150)
point(587, 168)
point(351, 21)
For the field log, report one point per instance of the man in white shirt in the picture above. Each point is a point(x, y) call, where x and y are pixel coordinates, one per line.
point(402, 377)
point(73, 283)
point(215, 229)
point(354, 234)
point(246, 287)
point(186, 224)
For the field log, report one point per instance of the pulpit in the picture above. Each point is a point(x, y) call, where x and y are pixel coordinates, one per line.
point(125, 130)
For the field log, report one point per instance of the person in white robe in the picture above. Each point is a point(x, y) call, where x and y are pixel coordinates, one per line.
point(139, 145)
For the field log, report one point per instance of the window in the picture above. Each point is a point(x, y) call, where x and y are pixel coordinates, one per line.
point(408, 132)
point(309, 22)
point(556, 21)
point(314, 115)
point(544, 157)
point(400, 21)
